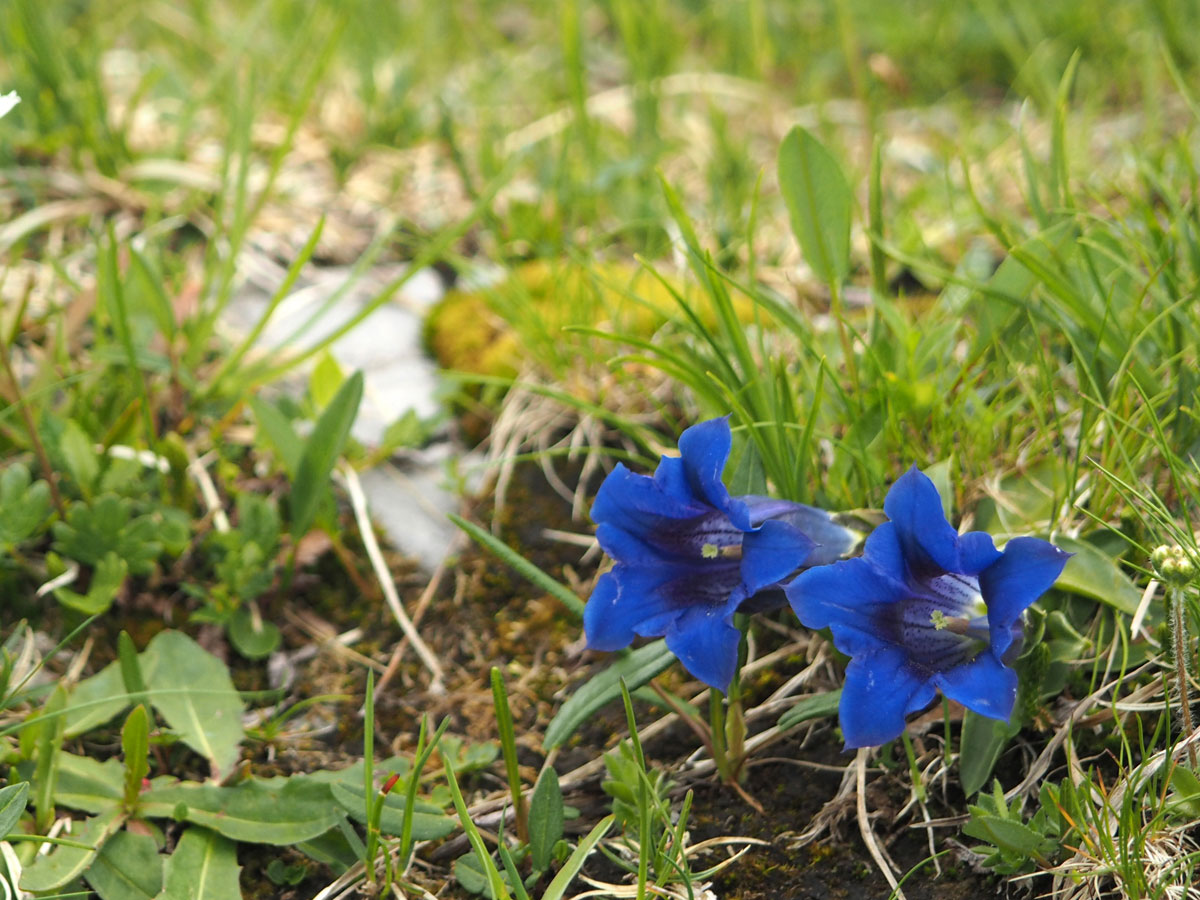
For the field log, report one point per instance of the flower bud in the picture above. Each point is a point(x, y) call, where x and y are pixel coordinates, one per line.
point(1173, 565)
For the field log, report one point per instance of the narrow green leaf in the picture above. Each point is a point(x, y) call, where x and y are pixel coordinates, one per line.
point(131, 669)
point(13, 798)
point(127, 868)
point(326, 378)
point(819, 202)
point(135, 745)
point(195, 695)
point(635, 669)
point(575, 861)
point(545, 819)
point(321, 452)
point(814, 706)
point(64, 864)
point(279, 433)
point(983, 740)
point(428, 821)
point(79, 456)
point(523, 566)
point(204, 866)
point(49, 747)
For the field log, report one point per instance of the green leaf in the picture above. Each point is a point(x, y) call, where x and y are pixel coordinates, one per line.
point(749, 476)
point(545, 818)
point(135, 745)
point(13, 798)
point(558, 887)
point(814, 706)
point(1093, 573)
point(982, 742)
point(106, 525)
point(321, 452)
point(24, 504)
point(50, 727)
point(107, 580)
point(204, 866)
point(1007, 834)
point(252, 636)
point(194, 693)
point(79, 456)
point(258, 811)
point(279, 433)
point(87, 784)
point(819, 202)
point(521, 564)
point(131, 669)
point(64, 864)
point(127, 868)
point(326, 378)
point(636, 669)
point(428, 821)
point(96, 700)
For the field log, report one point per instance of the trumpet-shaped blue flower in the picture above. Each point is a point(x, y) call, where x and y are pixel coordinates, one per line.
point(925, 609)
point(688, 554)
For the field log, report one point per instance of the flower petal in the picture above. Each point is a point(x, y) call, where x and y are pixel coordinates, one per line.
point(707, 645)
point(976, 551)
point(880, 690)
point(884, 551)
point(606, 624)
point(771, 554)
point(832, 541)
point(704, 449)
point(984, 685)
point(846, 597)
point(1026, 570)
point(637, 503)
point(930, 542)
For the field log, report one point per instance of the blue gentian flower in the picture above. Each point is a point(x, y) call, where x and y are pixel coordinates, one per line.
point(925, 609)
point(688, 555)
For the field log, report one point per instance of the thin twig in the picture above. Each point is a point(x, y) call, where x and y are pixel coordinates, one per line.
point(358, 502)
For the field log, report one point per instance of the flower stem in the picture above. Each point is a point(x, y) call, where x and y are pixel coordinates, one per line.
point(1178, 625)
point(716, 723)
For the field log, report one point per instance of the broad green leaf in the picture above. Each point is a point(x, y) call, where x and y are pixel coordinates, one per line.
point(545, 819)
point(253, 637)
point(939, 474)
point(326, 378)
point(204, 866)
point(814, 706)
point(749, 476)
point(88, 784)
point(127, 868)
point(13, 798)
point(79, 456)
point(1185, 794)
point(521, 564)
point(1094, 574)
point(96, 700)
point(107, 579)
point(135, 744)
point(321, 452)
point(279, 433)
point(64, 864)
point(192, 690)
point(106, 525)
point(259, 811)
point(819, 202)
point(636, 669)
point(983, 740)
point(24, 504)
